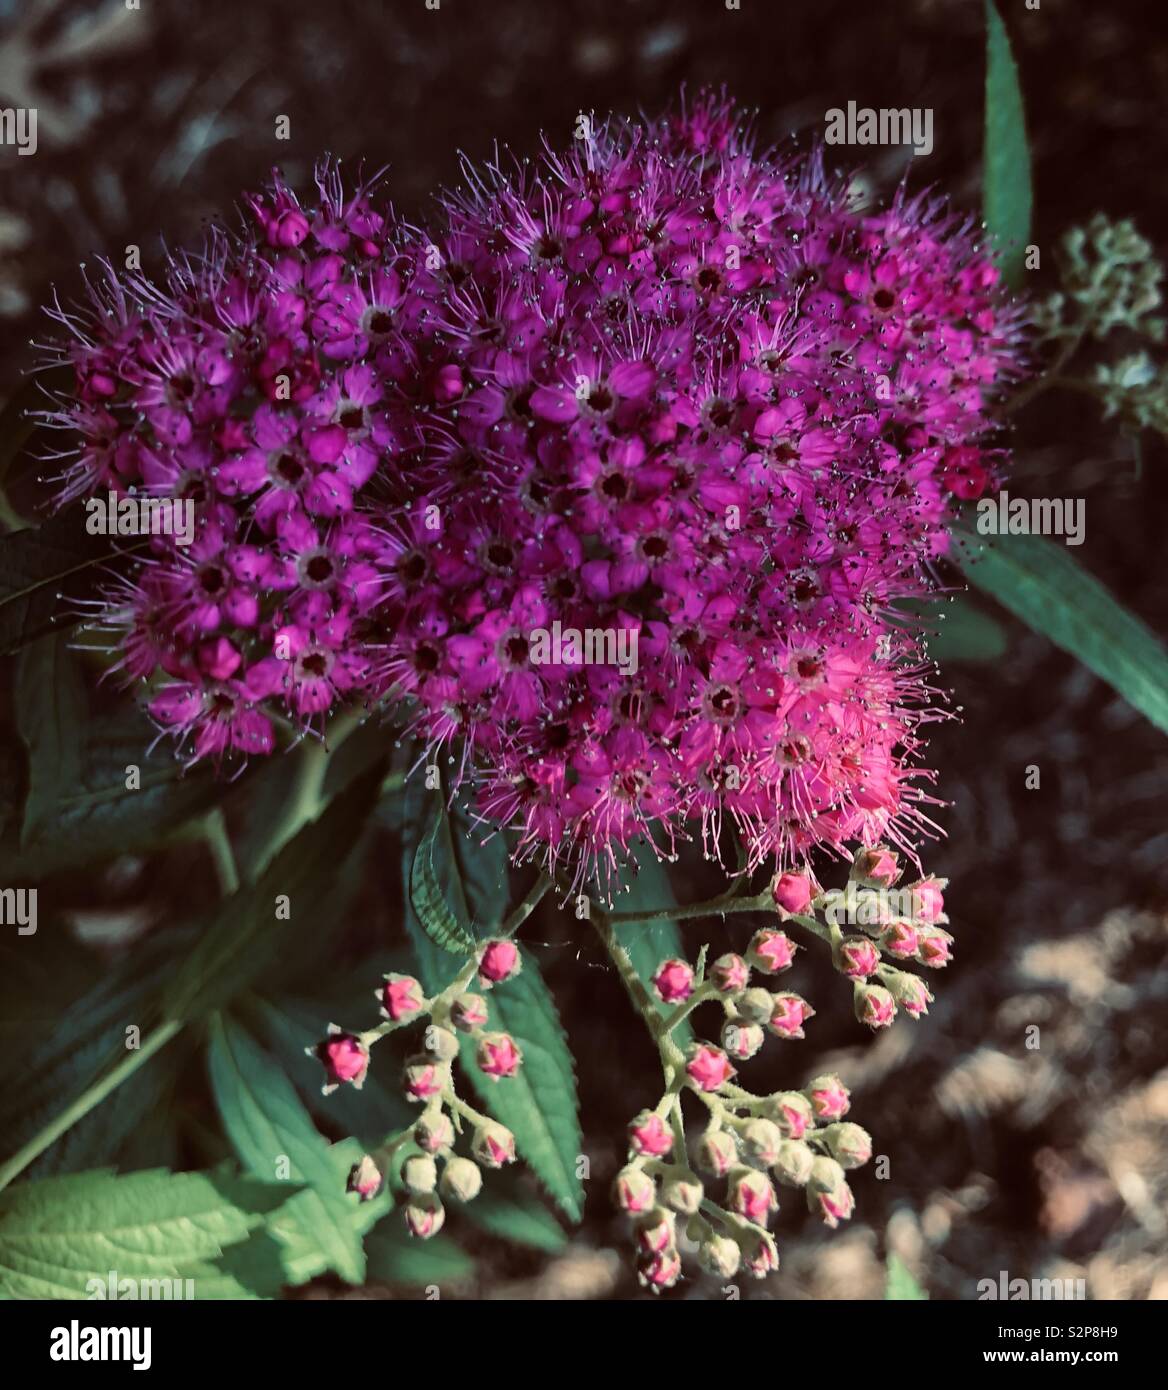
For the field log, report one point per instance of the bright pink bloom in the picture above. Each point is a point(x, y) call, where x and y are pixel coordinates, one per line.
point(674, 981)
point(498, 962)
point(793, 892)
point(708, 1068)
point(345, 1058)
point(401, 997)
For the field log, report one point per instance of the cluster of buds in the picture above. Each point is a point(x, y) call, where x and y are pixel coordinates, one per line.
point(754, 1144)
point(421, 1160)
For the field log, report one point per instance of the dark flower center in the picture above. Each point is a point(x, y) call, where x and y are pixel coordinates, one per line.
point(319, 569)
point(380, 322)
point(616, 486)
point(314, 664)
point(499, 555)
point(883, 299)
point(425, 657)
point(516, 649)
point(212, 579)
point(352, 417)
point(290, 469)
point(412, 567)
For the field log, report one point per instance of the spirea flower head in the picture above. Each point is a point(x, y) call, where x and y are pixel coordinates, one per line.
point(690, 421)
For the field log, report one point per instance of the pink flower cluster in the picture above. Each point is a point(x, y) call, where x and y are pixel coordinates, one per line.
point(659, 387)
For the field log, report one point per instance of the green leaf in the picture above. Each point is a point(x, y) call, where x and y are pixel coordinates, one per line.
point(268, 1125)
point(1039, 582)
point(435, 894)
point(78, 809)
point(899, 1285)
point(503, 1209)
point(41, 565)
point(958, 630)
point(1006, 188)
point(245, 936)
point(649, 943)
point(395, 1258)
point(59, 1233)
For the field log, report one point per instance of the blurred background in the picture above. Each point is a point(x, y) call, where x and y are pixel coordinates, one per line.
point(1047, 1163)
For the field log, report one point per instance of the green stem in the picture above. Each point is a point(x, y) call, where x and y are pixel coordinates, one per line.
point(724, 906)
point(219, 843)
point(88, 1100)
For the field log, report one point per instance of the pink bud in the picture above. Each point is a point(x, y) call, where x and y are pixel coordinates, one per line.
point(498, 962)
point(761, 1140)
point(730, 973)
point(708, 1067)
point(791, 1111)
point(929, 900)
point(873, 1005)
point(910, 992)
point(761, 1259)
point(858, 957)
point(879, 866)
point(933, 947)
point(659, 1271)
point(752, 1195)
point(674, 981)
point(792, 892)
point(649, 1134)
point(741, 1040)
point(717, 1152)
point(401, 997)
point(771, 951)
point(835, 1206)
point(425, 1215)
point(848, 1144)
point(498, 1055)
point(788, 1016)
point(493, 1146)
point(434, 1132)
point(448, 384)
point(423, 1078)
point(345, 1059)
point(828, 1096)
point(900, 940)
point(634, 1190)
point(365, 1179)
point(656, 1231)
point(468, 1012)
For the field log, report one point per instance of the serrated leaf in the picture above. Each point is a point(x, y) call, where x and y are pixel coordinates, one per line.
point(59, 1233)
point(503, 1209)
point(1041, 584)
point(40, 565)
point(245, 936)
point(267, 1123)
point(396, 1258)
point(1007, 195)
point(78, 809)
point(649, 943)
point(899, 1285)
point(430, 878)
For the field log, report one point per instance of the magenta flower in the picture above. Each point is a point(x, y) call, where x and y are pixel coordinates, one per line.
point(498, 1056)
point(674, 981)
point(708, 1068)
point(401, 997)
point(650, 1134)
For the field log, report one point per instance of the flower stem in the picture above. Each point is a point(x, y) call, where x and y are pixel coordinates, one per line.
point(219, 843)
point(724, 906)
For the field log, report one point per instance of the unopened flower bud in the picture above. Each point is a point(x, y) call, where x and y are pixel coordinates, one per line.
point(424, 1078)
point(462, 1179)
point(649, 1134)
point(858, 957)
point(419, 1174)
point(425, 1215)
point(879, 867)
point(730, 973)
point(634, 1190)
point(789, 1012)
point(345, 1058)
point(493, 1145)
point(850, 1145)
point(834, 1206)
point(441, 1043)
point(434, 1132)
point(708, 1068)
point(771, 951)
point(792, 892)
point(681, 1191)
point(674, 981)
point(742, 1040)
point(752, 1195)
point(365, 1179)
point(873, 1005)
point(498, 1055)
point(909, 991)
point(900, 940)
point(468, 1012)
point(928, 899)
point(826, 1174)
point(761, 1140)
point(755, 1005)
point(719, 1255)
point(791, 1111)
point(656, 1230)
point(933, 947)
point(828, 1096)
point(717, 1152)
point(401, 997)
point(498, 961)
point(660, 1270)
point(761, 1256)
point(793, 1163)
